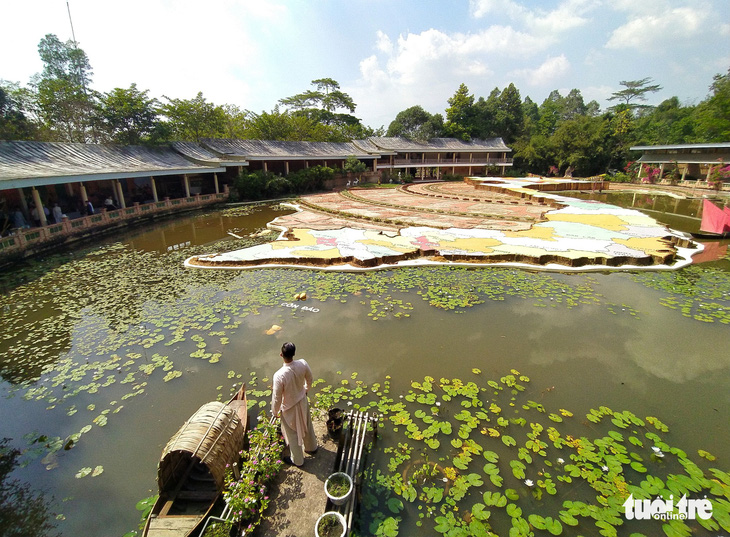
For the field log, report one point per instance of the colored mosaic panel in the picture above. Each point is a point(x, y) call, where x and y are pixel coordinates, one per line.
point(569, 233)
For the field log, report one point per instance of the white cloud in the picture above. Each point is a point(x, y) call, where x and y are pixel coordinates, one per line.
point(568, 15)
point(480, 8)
point(653, 30)
point(383, 43)
point(551, 70)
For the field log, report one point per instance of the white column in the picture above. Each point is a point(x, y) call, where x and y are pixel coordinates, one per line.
point(23, 204)
point(154, 189)
point(39, 207)
point(186, 182)
point(215, 183)
point(120, 194)
point(84, 196)
point(286, 167)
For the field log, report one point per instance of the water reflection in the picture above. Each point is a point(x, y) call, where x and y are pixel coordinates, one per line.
point(584, 339)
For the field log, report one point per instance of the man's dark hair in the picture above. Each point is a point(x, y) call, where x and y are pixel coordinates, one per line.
point(288, 350)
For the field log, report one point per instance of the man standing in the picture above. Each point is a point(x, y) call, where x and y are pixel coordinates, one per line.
point(290, 386)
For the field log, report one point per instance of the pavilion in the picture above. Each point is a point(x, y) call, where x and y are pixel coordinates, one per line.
point(692, 160)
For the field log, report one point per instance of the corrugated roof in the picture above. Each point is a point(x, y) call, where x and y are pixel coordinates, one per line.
point(273, 150)
point(680, 147)
point(440, 144)
point(197, 153)
point(31, 163)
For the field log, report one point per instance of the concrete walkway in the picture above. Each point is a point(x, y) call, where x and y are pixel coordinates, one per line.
point(297, 495)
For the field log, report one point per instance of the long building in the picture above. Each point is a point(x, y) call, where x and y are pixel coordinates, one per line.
point(34, 175)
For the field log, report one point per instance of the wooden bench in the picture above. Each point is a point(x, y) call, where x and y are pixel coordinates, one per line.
point(349, 458)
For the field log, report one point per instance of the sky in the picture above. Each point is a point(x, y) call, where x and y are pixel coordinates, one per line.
point(388, 55)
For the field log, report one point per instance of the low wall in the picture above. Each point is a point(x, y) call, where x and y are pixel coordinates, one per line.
point(30, 241)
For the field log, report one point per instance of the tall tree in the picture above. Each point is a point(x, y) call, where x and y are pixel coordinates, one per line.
point(635, 90)
point(460, 114)
point(322, 103)
point(509, 116)
point(193, 119)
point(417, 124)
point(128, 115)
point(64, 100)
point(551, 111)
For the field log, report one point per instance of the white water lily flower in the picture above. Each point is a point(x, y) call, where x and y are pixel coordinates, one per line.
point(656, 449)
point(561, 460)
point(529, 482)
point(604, 468)
point(438, 403)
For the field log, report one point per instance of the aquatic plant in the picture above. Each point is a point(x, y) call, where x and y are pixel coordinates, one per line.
point(544, 471)
point(246, 495)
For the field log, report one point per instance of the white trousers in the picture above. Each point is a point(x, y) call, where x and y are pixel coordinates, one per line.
point(309, 440)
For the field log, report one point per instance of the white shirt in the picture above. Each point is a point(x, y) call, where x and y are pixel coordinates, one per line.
point(290, 385)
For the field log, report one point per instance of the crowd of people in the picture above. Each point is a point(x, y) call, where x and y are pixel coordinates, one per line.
point(13, 218)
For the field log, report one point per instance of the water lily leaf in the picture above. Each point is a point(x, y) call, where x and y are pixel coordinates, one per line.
point(537, 521)
point(395, 505)
point(636, 465)
point(491, 456)
point(97, 471)
point(513, 510)
point(494, 499)
point(706, 455)
point(508, 440)
point(83, 472)
point(479, 512)
point(676, 528)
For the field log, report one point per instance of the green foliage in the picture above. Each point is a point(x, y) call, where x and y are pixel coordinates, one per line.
point(354, 165)
point(194, 119)
point(260, 185)
point(634, 90)
point(129, 116)
point(14, 121)
point(416, 124)
point(260, 463)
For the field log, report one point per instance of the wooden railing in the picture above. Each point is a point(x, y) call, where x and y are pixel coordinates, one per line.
point(36, 238)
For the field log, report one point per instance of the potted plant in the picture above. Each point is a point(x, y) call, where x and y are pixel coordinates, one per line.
point(330, 524)
point(334, 422)
point(338, 487)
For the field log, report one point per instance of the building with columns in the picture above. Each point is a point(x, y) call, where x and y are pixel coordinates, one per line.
point(38, 175)
point(694, 161)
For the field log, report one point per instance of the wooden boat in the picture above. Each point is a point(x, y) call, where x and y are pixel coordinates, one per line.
point(715, 222)
point(192, 469)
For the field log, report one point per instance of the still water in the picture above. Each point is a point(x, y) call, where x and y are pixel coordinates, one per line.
point(114, 346)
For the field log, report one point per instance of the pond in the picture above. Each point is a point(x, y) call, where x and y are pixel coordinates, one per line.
point(107, 350)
